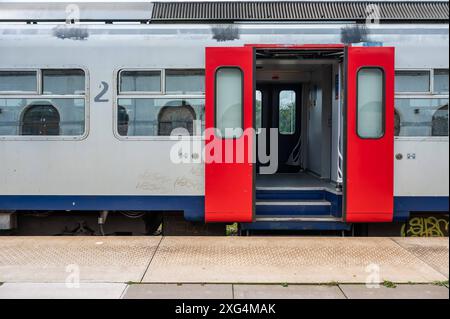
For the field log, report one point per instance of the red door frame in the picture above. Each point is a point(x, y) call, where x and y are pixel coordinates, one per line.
point(229, 187)
point(368, 163)
point(368, 194)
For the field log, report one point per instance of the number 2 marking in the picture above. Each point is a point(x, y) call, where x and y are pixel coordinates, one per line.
point(99, 97)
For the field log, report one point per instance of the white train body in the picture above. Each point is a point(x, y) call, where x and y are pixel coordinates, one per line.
point(102, 170)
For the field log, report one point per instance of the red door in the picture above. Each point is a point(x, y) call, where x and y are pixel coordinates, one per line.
point(369, 146)
point(229, 169)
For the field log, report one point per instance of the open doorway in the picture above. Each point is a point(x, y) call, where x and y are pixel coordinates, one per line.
point(298, 91)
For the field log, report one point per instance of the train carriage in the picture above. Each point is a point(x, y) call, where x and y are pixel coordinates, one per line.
point(273, 115)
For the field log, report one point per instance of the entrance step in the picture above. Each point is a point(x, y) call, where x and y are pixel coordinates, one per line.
point(293, 207)
point(296, 218)
point(290, 193)
point(296, 222)
point(306, 208)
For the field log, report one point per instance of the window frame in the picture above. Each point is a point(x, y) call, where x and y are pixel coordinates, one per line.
point(217, 132)
point(39, 96)
point(116, 95)
point(422, 95)
point(161, 79)
point(383, 115)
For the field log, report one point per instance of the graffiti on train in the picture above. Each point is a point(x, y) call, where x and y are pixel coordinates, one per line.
point(426, 226)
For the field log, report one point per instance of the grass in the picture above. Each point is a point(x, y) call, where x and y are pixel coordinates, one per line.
point(232, 230)
point(285, 285)
point(440, 283)
point(132, 283)
point(389, 284)
point(332, 283)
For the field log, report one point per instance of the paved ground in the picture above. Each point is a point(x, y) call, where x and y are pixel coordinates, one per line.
point(223, 267)
point(218, 291)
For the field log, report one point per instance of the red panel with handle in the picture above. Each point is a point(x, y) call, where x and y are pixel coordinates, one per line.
point(369, 163)
point(229, 185)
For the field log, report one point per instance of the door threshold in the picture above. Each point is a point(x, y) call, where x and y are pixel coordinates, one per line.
point(299, 188)
point(298, 219)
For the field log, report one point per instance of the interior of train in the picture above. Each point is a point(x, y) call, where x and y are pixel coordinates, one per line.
point(299, 92)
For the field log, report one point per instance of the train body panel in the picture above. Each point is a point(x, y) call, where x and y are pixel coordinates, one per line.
point(100, 169)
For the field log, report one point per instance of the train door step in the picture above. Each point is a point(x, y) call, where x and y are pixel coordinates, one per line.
point(293, 207)
point(296, 218)
point(305, 208)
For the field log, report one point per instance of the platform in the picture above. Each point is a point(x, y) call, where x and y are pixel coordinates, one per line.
point(221, 267)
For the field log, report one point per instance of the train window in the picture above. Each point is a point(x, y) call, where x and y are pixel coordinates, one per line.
point(441, 81)
point(370, 103)
point(40, 119)
point(146, 117)
point(185, 81)
point(422, 116)
point(37, 116)
point(439, 125)
point(286, 108)
point(258, 109)
point(63, 82)
point(229, 102)
point(140, 81)
point(412, 81)
point(51, 111)
point(18, 82)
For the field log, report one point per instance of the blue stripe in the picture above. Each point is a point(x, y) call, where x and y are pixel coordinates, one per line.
point(404, 205)
point(421, 203)
point(193, 206)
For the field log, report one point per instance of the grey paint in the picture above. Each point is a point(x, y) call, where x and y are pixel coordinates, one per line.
point(223, 33)
point(354, 34)
point(72, 33)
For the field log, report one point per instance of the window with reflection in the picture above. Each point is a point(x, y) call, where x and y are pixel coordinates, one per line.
point(397, 121)
point(18, 82)
point(185, 81)
point(56, 108)
point(440, 81)
point(140, 81)
point(15, 114)
point(63, 82)
point(412, 81)
point(229, 102)
point(258, 109)
point(176, 119)
point(422, 116)
point(146, 117)
point(287, 110)
point(40, 119)
point(370, 103)
point(122, 121)
point(439, 122)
